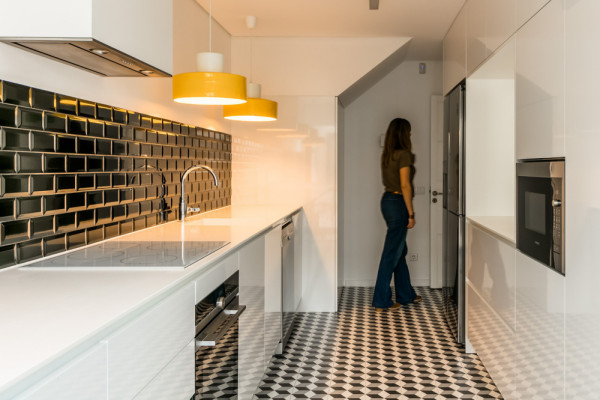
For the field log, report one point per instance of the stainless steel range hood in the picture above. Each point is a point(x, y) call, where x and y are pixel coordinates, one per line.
point(88, 54)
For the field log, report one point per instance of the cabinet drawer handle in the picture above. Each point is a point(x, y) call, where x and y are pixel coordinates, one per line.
point(215, 332)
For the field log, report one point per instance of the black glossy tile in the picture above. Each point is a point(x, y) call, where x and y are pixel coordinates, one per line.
point(111, 196)
point(66, 144)
point(42, 226)
point(139, 223)
point(103, 147)
point(172, 139)
point(87, 109)
point(151, 137)
point(126, 226)
point(54, 204)
point(127, 133)
point(75, 164)
point(111, 230)
point(30, 119)
point(167, 126)
point(175, 127)
point(161, 164)
point(181, 140)
point(95, 164)
point(86, 145)
point(157, 124)
point(143, 178)
point(14, 93)
point(139, 193)
point(66, 104)
point(145, 150)
point(145, 207)
point(42, 100)
point(15, 231)
point(111, 164)
point(119, 212)
point(14, 139)
point(85, 219)
point(103, 181)
point(134, 149)
point(55, 122)
point(94, 199)
point(29, 206)
point(76, 125)
point(7, 256)
point(65, 182)
point(103, 215)
point(104, 112)
point(95, 128)
point(54, 163)
point(125, 195)
point(146, 121)
point(139, 135)
point(16, 185)
point(7, 208)
point(65, 222)
point(29, 250)
point(75, 239)
point(8, 115)
point(54, 244)
point(29, 162)
point(126, 164)
point(161, 138)
point(119, 148)
point(157, 151)
point(111, 130)
point(42, 141)
point(133, 209)
point(75, 200)
point(120, 116)
point(85, 182)
point(42, 183)
point(133, 118)
point(95, 234)
point(185, 129)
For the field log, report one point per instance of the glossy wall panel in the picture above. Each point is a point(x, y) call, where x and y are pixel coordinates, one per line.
point(540, 85)
point(540, 330)
point(455, 53)
point(583, 195)
point(60, 154)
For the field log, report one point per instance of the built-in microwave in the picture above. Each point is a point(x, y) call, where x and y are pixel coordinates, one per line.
point(540, 211)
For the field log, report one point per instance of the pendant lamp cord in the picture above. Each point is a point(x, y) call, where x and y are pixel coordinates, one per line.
point(210, 26)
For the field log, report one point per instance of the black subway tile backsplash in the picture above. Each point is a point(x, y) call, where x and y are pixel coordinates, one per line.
point(66, 166)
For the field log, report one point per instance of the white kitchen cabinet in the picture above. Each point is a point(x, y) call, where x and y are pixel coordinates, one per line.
point(455, 52)
point(540, 330)
point(476, 34)
point(527, 9)
point(500, 22)
point(84, 377)
point(273, 310)
point(252, 361)
point(215, 275)
point(139, 28)
point(539, 89)
point(142, 348)
point(176, 380)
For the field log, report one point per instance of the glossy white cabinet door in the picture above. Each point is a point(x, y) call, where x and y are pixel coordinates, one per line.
point(476, 35)
point(583, 199)
point(500, 22)
point(491, 271)
point(540, 331)
point(527, 9)
point(272, 291)
point(455, 53)
point(540, 85)
point(252, 321)
point(82, 378)
point(493, 341)
point(137, 352)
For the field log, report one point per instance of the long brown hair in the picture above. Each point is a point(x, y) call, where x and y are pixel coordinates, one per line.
point(397, 137)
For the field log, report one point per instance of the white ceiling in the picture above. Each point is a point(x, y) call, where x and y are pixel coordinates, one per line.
point(426, 21)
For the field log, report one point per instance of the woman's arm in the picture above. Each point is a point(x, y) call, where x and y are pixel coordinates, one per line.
point(407, 194)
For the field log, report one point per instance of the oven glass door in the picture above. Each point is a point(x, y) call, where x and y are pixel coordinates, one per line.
point(538, 220)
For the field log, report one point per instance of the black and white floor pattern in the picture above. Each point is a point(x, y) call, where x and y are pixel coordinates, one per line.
point(407, 353)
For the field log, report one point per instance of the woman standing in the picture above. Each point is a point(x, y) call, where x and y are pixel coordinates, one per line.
point(397, 172)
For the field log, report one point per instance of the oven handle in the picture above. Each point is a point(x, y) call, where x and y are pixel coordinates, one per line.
point(216, 332)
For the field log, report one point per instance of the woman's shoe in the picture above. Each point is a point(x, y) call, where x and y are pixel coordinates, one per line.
point(392, 307)
point(417, 299)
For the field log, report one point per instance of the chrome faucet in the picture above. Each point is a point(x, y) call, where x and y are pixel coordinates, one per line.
point(182, 205)
point(163, 204)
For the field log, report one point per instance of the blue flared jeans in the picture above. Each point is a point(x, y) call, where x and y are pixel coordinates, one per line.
point(393, 258)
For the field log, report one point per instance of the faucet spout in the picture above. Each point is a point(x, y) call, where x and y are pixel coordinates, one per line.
point(182, 204)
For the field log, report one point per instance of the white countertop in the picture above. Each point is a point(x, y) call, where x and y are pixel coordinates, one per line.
point(44, 314)
point(501, 226)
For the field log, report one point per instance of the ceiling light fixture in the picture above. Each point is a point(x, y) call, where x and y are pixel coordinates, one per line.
point(210, 85)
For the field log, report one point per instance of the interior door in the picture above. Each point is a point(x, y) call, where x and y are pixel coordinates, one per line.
point(435, 192)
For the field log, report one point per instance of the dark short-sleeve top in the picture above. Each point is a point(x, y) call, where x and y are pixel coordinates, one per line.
point(390, 174)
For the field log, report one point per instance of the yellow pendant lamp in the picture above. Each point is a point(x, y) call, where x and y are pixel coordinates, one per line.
point(256, 109)
point(209, 85)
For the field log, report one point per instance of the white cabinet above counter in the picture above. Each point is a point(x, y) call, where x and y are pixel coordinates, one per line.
point(56, 315)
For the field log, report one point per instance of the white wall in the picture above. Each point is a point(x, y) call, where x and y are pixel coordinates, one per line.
point(402, 93)
point(146, 95)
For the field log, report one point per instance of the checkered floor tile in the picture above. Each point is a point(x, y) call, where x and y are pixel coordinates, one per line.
point(356, 353)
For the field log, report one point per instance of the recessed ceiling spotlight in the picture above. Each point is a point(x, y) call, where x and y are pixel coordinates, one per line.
point(99, 51)
point(147, 72)
point(250, 22)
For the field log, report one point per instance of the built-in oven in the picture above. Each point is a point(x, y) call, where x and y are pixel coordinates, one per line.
point(540, 211)
point(217, 335)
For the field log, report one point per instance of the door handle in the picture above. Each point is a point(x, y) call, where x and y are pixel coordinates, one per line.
point(436, 193)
